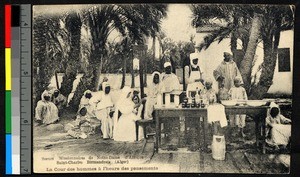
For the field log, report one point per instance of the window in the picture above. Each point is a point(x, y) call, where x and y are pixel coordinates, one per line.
point(284, 63)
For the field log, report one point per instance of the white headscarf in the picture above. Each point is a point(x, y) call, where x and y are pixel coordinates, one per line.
point(209, 80)
point(154, 73)
point(125, 104)
point(273, 105)
point(104, 85)
point(104, 100)
point(192, 57)
point(167, 64)
point(87, 91)
point(45, 93)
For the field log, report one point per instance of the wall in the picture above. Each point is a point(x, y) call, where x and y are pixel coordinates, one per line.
point(209, 60)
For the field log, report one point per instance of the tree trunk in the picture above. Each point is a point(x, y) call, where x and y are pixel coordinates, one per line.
point(124, 72)
point(153, 46)
point(233, 38)
point(73, 25)
point(247, 62)
point(98, 75)
point(233, 44)
point(268, 66)
point(94, 65)
point(132, 71)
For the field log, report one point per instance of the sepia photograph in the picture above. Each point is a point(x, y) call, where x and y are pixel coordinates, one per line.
point(162, 88)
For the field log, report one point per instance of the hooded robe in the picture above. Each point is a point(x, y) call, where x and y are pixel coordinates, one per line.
point(46, 111)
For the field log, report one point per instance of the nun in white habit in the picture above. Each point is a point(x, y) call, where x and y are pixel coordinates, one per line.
point(124, 126)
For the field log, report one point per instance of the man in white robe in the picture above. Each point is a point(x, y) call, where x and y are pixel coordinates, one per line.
point(227, 71)
point(103, 110)
point(46, 112)
point(153, 90)
point(170, 81)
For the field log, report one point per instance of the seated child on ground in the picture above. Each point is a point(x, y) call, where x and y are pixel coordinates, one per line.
point(81, 127)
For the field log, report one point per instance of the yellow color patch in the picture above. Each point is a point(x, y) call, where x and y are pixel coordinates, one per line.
point(7, 69)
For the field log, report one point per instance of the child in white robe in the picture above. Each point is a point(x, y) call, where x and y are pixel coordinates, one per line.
point(238, 93)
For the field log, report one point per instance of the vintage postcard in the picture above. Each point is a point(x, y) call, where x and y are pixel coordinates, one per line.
point(163, 88)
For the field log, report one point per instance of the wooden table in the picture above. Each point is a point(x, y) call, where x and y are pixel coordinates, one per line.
point(164, 113)
point(257, 113)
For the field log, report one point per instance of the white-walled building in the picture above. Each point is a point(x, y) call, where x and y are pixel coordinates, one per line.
point(210, 58)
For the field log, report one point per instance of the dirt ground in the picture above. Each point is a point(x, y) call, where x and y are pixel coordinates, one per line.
point(241, 156)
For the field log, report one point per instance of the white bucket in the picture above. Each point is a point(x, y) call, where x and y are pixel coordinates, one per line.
point(218, 147)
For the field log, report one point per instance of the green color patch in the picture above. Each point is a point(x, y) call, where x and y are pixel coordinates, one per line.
point(8, 111)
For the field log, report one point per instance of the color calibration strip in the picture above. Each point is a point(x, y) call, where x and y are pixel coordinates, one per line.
point(8, 140)
point(12, 88)
point(15, 87)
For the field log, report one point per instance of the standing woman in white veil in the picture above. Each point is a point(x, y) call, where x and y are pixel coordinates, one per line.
point(124, 126)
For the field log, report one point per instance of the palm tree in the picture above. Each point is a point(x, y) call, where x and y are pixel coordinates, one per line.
point(246, 64)
point(135, 21)
point(73, 27)
point(275, 19)
point(244, 22)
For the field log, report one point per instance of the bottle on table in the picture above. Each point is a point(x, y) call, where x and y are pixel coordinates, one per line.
point(197, 98)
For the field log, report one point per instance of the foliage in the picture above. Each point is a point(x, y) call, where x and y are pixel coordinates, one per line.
point(235, 22)
point(73, 24)
point(49, 51)
point(275, 19)
point(135, 21)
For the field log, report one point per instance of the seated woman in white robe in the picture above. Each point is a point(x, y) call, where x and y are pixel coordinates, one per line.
point(124, 127)
point(85, 102)
point(153, 90)
point(103, 110)
point(278, 128)
point(46, 112)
